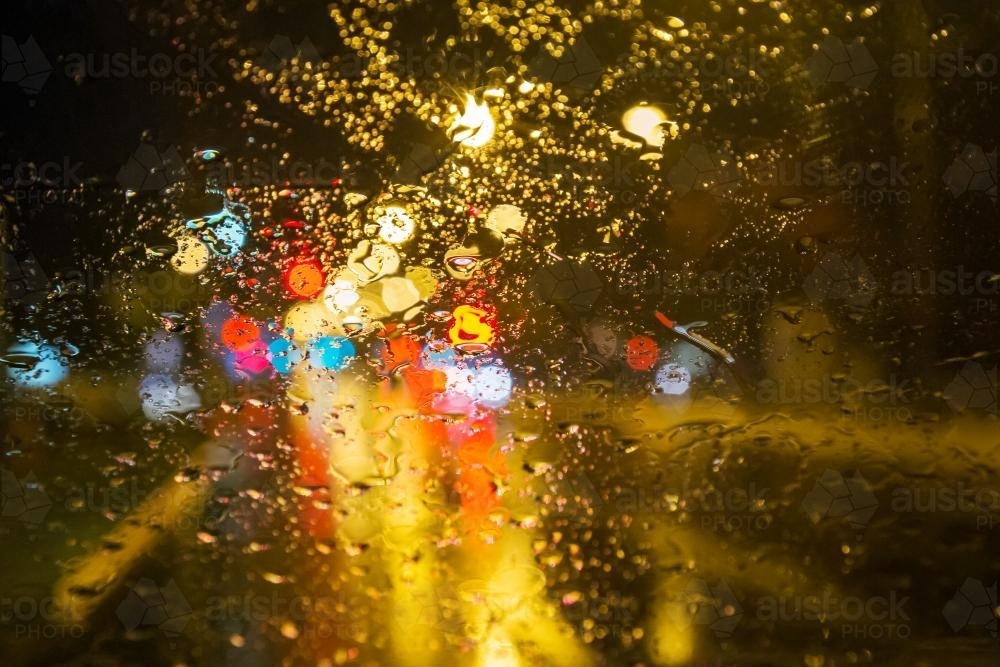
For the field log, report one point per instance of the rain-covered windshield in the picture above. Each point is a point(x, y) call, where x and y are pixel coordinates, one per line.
point(622, 332)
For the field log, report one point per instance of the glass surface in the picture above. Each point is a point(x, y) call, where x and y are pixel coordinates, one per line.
point(625, 332)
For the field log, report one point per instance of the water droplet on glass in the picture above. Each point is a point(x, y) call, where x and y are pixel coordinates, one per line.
point(161, 251)
point(791, 202)
point(20, 360)
point(208, 154)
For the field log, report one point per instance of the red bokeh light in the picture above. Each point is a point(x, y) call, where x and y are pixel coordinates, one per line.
point(641, 353)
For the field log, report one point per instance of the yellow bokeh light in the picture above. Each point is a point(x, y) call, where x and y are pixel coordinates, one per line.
point(310, 319)
point(192, 256)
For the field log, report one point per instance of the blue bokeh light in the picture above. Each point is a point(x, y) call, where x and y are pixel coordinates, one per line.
point(331, 352)
point(284, 355)
point(50, 369)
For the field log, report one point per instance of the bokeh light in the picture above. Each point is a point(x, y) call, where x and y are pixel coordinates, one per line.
point(641, 353)
point(471, 331)
point(475, 127)
point(284, 355)
point(162, 396)
point(673, 379)
point(192, 256)
point(239, 333)
point(43, 365)
point(331, 353)
point(304, 278)
point(494, 385)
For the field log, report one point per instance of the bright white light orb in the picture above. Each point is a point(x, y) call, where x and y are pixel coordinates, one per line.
point(648, 122)
point(673, 379)
point(494, 385)
point(395, 225)
point(341, 296)
point(506, 218)
point(475, 127)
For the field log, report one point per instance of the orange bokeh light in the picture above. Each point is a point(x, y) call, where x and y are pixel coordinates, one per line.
point(400, 350)
point(305, 278)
